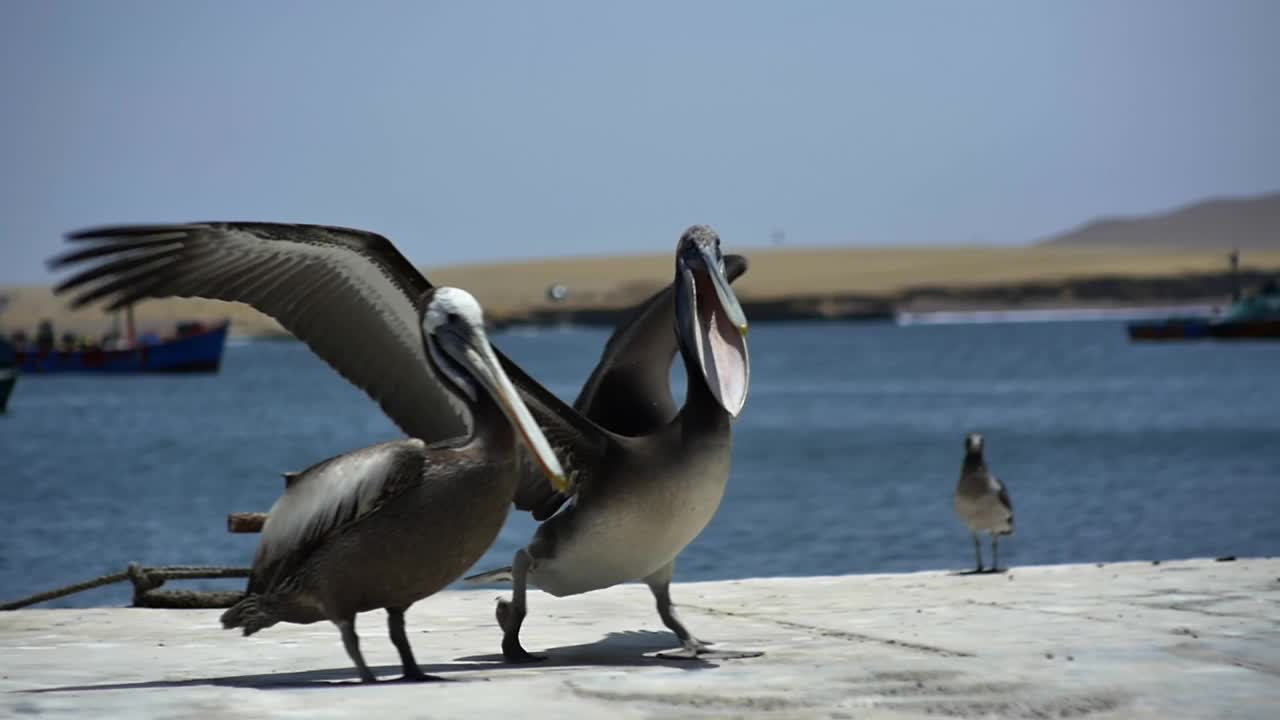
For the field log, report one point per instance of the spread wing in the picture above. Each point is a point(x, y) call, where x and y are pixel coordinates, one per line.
point(348, 294)
point(629, 392)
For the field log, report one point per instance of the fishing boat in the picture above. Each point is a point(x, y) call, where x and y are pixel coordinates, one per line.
point(1256, 317)
point(8, 372)
point(193, 348)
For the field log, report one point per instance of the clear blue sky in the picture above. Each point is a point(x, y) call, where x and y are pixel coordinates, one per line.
point(472, 131)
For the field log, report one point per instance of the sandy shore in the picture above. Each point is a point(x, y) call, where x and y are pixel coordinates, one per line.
point(1187, 639)
point(511, 290)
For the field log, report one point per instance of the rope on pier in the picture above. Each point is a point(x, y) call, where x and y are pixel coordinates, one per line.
point(68, 590)
point(145, 581)
point(189, 599)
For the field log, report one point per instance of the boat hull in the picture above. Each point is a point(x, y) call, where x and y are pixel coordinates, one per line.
point(8, 372)
point(196, 353)
point(1192, 329)
point(7, 380)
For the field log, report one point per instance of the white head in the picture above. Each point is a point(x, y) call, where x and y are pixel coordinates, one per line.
point(453, 331)
point(454, 311)
point(973, 444)
point(447, 301)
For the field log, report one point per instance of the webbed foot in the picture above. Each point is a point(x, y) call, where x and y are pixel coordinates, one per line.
point(698, 650)
point(517, 655)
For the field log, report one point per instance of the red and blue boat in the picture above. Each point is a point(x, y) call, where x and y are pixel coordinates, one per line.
point(194, 348)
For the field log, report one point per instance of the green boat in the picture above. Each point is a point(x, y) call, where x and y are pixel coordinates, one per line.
point(1255, 317)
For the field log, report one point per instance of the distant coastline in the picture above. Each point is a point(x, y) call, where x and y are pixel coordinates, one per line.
point(1178, 257)
point(839, 284)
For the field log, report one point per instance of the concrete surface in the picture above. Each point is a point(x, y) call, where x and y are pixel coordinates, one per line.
point(1189, 639)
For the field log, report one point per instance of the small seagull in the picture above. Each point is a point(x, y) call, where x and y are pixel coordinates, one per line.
point(982, 501)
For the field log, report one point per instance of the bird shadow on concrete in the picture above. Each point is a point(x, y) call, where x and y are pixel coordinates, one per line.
point(328, 678)
point(617, 649)
point(630, 648)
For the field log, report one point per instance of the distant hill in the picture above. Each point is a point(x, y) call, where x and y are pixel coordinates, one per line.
point(1245, 223)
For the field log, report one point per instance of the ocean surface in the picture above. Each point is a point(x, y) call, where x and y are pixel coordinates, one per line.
point(844, 458)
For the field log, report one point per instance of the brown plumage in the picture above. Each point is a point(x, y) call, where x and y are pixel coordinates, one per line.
point(388, 525)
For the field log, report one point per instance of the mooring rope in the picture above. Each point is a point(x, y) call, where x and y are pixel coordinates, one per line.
point(68, 590)
point(144, 579)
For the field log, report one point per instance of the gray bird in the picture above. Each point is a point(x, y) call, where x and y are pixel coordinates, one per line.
point(982, 501)
point(391, 524)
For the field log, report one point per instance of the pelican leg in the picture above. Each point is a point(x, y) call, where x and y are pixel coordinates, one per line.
point(995, 552)
point(351, 642)
point(395, 626)
point(660, 585)
point(511, 613)
point(977, 550)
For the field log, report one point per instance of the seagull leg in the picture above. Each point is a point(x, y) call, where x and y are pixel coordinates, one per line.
point(995, 552)
point(511, 614)
point(660, 585)
point(395, 626)
point(351, 642)
point(977, 550)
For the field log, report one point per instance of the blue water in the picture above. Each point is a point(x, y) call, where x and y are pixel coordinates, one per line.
point(844, 458)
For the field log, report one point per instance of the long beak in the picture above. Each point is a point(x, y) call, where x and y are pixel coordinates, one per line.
point(724, 293)
point(713, 327)
point(486, 368)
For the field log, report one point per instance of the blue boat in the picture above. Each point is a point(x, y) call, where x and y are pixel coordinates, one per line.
point(8, 372)
point(194, 349)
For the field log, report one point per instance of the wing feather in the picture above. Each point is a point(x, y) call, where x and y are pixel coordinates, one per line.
point(310, 278)
point(319, 501)
point(1003, 495)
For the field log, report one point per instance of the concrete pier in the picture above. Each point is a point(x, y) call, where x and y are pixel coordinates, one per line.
point(1186, 639)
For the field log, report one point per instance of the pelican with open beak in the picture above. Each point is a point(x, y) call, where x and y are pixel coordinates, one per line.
point(640, 500)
